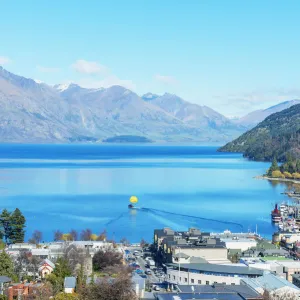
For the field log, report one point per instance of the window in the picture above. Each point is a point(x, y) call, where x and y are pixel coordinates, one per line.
point(179, 278)
point(174, 277)
point(233, 284)
point(170, 276)
point(207, 282)
point(185, 279)
point(192, 281)
point(199, 281)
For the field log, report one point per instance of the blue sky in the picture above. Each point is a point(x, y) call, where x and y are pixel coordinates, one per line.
point(234, 56)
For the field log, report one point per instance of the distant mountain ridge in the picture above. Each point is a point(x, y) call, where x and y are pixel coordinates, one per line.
point(277, 136)
point(36, 112)
point(255, 117)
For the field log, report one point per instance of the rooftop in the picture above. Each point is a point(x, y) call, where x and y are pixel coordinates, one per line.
point(206, 296)
point(270, 282)
point(244, 290)
point(70, 282)
point(215, 268)
point(5, 279)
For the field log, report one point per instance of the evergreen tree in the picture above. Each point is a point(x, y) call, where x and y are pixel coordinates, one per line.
point(17, 226)
point(5, 220)
point(7, 265)
point(274, 167)
point(298, 166)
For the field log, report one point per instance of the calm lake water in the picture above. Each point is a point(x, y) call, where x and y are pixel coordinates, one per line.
point(88, 186)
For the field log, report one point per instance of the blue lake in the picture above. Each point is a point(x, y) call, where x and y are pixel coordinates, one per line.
point(88, 186)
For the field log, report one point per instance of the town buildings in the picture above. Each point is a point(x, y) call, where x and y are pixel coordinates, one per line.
point(209, 274)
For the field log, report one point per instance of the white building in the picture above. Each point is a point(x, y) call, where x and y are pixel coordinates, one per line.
point(208, 274)
point(242, 244)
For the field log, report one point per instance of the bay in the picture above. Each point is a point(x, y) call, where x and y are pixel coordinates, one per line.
point(88, 186)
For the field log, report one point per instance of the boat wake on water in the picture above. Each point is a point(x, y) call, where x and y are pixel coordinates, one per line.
point(155, 211)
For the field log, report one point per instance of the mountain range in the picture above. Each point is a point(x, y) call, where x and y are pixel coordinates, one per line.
point(35, 112)
point(257, 116)
point(277, 136)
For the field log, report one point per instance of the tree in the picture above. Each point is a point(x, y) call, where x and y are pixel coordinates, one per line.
point(297, 166)
point(296, 175)
point(287, 175)
point(106, 289)
point(66, 237)
point(7, 266)
point(274, 167)
point(64, 296)
point(25, 263)
point(43, 292)
point(103, 259)
point(37, 237)
point(17, 227)
point(58, 235)
point(86, 235)
point(74, 235)
point(57, 277)
point(62, 268)
point(5, 225)
point(143, 243)
point(3, 297)
point(124, 241)
point(277, 174)
point(102, 236)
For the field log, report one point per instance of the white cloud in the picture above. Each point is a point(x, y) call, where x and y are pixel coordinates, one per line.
point(89, 67)
point(4, 60)
point(106, 82)
point(47, 69)
point(170, 80)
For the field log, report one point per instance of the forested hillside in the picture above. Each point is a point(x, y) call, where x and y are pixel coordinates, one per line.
point(277, 136)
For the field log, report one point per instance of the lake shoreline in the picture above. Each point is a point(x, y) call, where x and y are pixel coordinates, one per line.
point(278, 179)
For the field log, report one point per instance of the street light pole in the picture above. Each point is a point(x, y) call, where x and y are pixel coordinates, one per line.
point(179, 265)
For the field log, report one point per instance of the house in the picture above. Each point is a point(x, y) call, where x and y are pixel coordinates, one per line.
point(69, 285)
point(4, 283)
point(273, 284)
point(23, 290)
point(46, 267)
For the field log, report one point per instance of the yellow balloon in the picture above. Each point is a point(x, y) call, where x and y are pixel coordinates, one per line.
point(133, 199)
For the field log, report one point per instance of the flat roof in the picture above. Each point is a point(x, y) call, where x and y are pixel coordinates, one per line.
point(243, 290)
point(215, 268)
point(270, 282)
point(189, 296)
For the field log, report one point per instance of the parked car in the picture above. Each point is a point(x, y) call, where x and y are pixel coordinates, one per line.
point(139, 271)
point(143, 275)
point(156, 288)
point(148, 272)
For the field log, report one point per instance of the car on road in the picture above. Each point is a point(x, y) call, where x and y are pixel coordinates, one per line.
point(143, 276)
point(147, 266)
point(135, 266)
point(156, 288)
point(139, 271)
point(148, 272)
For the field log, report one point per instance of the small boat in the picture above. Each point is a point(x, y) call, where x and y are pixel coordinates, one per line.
point(130, 206)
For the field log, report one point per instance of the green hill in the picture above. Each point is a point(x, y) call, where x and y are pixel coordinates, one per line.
point(276, 136)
